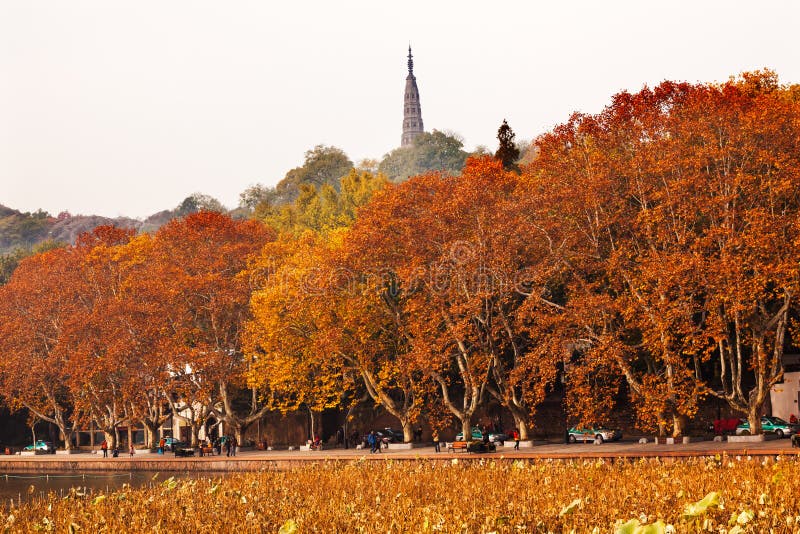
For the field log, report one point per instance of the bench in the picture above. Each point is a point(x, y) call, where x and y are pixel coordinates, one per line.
point(206, 451)
point(458, 446)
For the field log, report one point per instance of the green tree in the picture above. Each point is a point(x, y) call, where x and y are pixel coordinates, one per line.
point(323, 208)
point(507, 152)
point(199, 202)
point(323, 165)
point(435, 151)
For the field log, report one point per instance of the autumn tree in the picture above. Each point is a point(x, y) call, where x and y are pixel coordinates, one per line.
point(665, 198)
point(446, 244)
point(202, 306)
point(288, 360)
point(102, 348)
point(743, 149)
point(309, 325)
point(10, 260)
point(37, 303)
point(632, 296)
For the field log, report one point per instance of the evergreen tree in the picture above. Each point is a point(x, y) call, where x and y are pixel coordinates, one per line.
point(507, 152)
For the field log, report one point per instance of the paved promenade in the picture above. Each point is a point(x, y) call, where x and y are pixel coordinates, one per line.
point(278, 459)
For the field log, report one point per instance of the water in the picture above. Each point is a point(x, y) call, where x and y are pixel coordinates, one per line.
point(25, 486)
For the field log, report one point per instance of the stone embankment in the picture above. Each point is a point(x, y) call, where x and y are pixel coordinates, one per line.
point(269, 460)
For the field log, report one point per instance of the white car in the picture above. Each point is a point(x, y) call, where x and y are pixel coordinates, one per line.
point(599, 434)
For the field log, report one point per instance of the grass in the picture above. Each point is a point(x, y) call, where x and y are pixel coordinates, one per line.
point(712, 494)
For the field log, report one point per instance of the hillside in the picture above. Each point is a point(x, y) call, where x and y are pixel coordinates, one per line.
point(21, 232)
point(26, 230)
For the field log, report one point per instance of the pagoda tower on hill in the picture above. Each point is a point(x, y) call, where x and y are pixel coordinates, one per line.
point(412, 111)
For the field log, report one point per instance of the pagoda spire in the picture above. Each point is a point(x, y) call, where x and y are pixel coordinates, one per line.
point(412, 111)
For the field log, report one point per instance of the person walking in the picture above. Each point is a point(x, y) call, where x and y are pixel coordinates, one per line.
point(435, 437)
point(516, 439)
point(371, 441)
point(233, 443)
point(132, 451)
point(104, 448)
point(161, 444)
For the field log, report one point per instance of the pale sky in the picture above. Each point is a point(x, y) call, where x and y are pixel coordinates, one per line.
point(125, 108)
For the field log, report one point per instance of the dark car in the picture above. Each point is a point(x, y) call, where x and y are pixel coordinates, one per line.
point(170, 444)
point(388, 435)
point(477, 435)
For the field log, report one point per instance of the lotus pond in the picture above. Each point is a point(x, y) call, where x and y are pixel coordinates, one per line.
point(707, 494)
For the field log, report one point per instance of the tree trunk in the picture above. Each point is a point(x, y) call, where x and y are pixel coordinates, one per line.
point(110, 435)
point(408, 430)
point(678, 425)
point(466, 428)
point(194, 435)
point(57, 419)
point(521, 424)
point(754, 419)
point(398, 408)
point(316, 424)
point(151, 433)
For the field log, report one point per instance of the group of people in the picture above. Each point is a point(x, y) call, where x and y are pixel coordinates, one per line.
point(226, 443)
point(230, 446)
point(375, 442)
point(115, 450)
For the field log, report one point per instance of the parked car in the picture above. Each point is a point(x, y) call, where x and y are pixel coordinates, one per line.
point(170, 444)
point(387, 435)
point(598, 433)
point(770, 425)
point(41, 445)
point(477, 435)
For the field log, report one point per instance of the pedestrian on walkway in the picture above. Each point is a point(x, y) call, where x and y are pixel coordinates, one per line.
point(132, 451)
point(516, 439)
point(104, 448)
point(435, 436)
point(233, 443)
point(371, 441)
